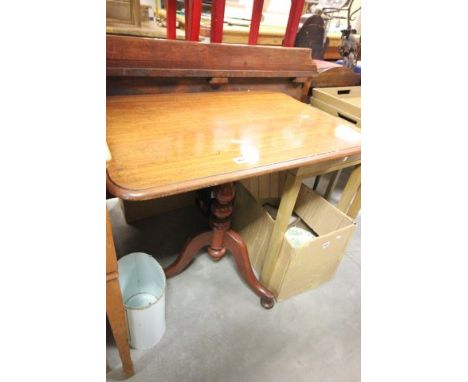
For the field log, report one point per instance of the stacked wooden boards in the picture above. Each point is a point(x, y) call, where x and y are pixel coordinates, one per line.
point(343, 102)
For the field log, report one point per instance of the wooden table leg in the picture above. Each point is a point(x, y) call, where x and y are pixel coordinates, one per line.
point(332, 184)
point(316, 183)
point(220, 239)
point(114, 304)
point(355, 206)
point(236, 245)
point(350, 192)
point(135, 12)
point(285, 210)
point(118, 322)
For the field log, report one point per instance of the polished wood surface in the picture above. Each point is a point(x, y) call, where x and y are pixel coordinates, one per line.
point(146, 57)
point(166, 144)
point(335, 76)
point(153, 66)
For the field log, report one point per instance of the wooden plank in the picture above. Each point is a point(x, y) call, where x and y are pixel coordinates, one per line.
point(147, 29)
point(135, 12)
point(288, 200)
point(114, 304)
point(355, 206)
point(336, 77)
point(282, 181)
point(350, 190)
point(332, 184)
point(316, 182)
point(219, 81)
point(111, 258)
point(108, 154)
point(274, 185)
point(164, 85)
point(344, 98)
point(332, 110)
point(264, 186)
point(328, 166)
point(254, 186)
point(176, 72)
point(133, 56)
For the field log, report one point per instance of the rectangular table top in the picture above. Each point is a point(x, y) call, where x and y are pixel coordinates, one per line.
point(165, 144)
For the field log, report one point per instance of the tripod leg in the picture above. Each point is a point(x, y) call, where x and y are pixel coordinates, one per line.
point(234, 243)
point(188, 253)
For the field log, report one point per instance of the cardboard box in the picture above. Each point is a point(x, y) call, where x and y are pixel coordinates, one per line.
point(297, 269)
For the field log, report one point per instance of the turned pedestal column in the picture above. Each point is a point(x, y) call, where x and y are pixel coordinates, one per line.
point(219, 239)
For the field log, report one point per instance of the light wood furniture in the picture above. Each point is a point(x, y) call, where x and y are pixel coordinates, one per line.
point(343, 102)
point(332, 75)
point(114, 304)
point(164, 144)
point(124, 11)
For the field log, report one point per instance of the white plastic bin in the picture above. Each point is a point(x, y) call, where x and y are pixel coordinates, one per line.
point(143, 285)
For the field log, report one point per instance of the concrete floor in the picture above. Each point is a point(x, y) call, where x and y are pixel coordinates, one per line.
point(216, 328)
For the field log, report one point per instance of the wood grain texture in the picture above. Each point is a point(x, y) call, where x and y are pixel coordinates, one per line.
point(135, 56)
point(114, 304)
point(352, 188)
point(167, 144)
point(288, 200)
point(332, 184)
point(159, 85)
point(336, 77)
point(355, 206)
point(343, 98)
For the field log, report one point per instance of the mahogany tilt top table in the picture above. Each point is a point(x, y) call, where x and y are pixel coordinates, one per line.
point(166, 144)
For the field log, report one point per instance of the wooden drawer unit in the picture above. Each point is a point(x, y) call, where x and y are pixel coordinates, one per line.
point(342, 102)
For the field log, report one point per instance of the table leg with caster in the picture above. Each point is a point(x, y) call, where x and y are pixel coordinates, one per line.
point(236, 245)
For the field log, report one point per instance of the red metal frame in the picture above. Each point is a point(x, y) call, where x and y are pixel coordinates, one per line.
point(192, 19)
point(188, 18)
point(193, 10)
point(171, 19)
point(255, 23)
point(295, 14)
point(217, 20)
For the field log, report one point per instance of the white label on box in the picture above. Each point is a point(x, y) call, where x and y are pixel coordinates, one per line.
point(326, 244)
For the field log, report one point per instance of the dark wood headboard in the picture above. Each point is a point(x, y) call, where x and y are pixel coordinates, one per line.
point(138, 65)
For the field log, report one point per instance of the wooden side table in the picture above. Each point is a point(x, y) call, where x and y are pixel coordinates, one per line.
point(165, 144)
